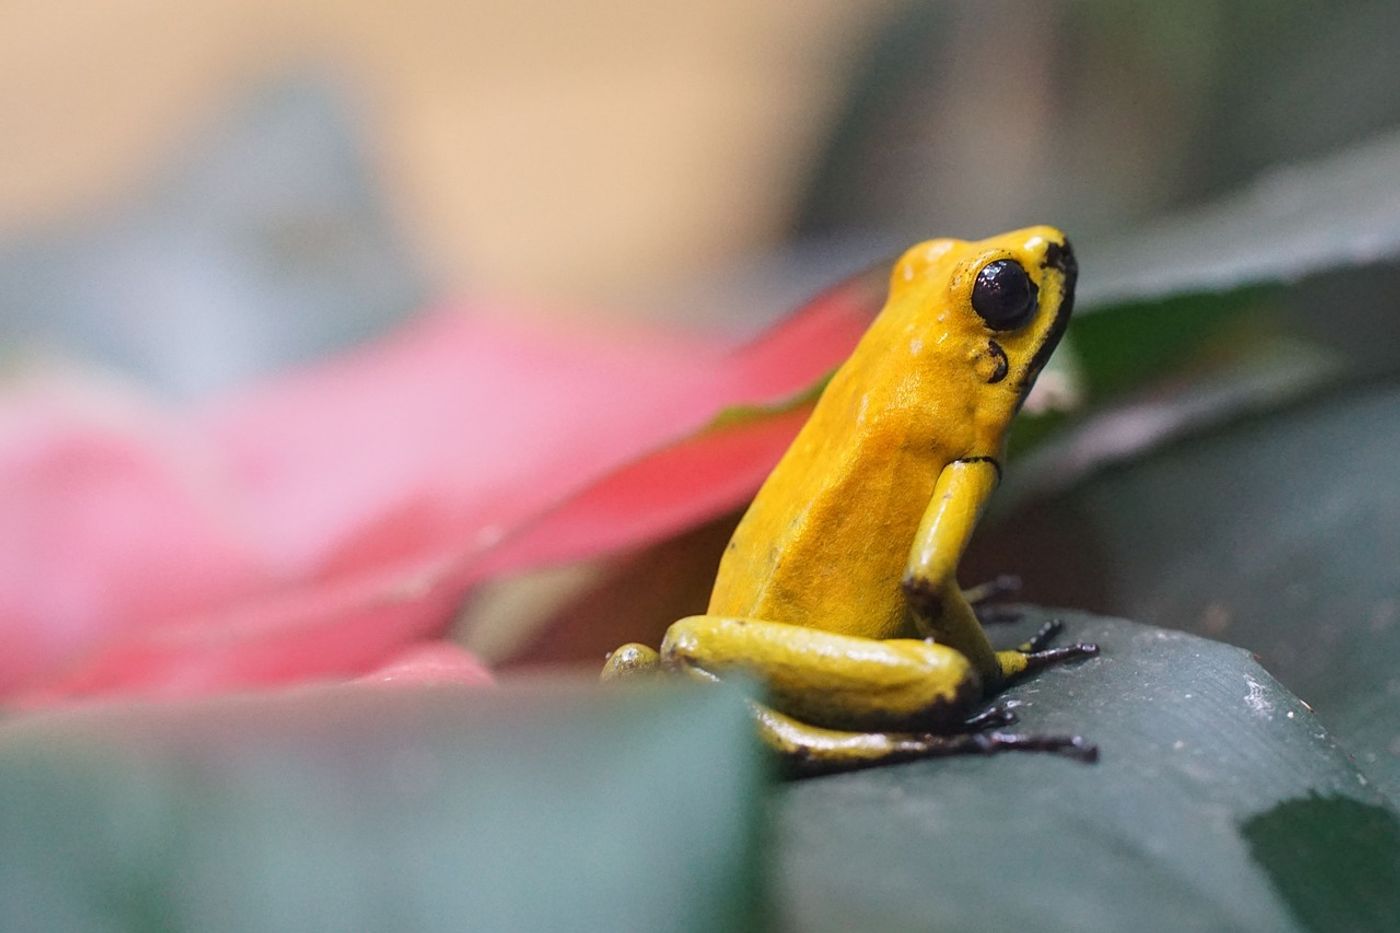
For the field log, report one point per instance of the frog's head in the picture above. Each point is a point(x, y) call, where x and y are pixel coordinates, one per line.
point(996, 308)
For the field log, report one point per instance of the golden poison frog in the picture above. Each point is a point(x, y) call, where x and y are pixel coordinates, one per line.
point(838, 590)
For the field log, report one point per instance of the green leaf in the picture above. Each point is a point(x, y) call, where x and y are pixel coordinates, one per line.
point(1215, 786)
point(1296, 221)
point(1124, 349)
point(1279, 533)
point(528, 807)
point(1329, 858)
point(1208, 284)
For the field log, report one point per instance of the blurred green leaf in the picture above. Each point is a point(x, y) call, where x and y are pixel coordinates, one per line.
point(1279, 533)
point(1205, 288)
point(1278, 374)
point(1205, 762)
point(528, 807)
point(1205, 291)
point(1121, 110)
point(1293, 222)
point(1137, 342)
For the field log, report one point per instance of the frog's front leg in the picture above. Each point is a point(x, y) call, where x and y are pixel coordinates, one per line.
point(930, 578)
point(631, 660)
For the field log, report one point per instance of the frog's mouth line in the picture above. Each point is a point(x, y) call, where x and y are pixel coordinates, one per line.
point(1057, 256)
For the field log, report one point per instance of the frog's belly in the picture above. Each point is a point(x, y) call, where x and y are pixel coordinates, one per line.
point(832, 559)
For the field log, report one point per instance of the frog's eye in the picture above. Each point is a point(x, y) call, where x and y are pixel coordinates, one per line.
point(1003, 295)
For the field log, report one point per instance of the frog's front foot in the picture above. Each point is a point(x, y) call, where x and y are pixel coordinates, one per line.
point(999, 587)
point(985, 597)
point(631, 660)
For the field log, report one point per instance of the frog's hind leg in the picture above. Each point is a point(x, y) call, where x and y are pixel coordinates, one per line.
point(808, 750)
point(842, 682)
point(843, 702)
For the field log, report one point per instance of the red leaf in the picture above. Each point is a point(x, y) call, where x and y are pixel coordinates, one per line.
point(108, 525)
point(436, 662)
point(317, 526)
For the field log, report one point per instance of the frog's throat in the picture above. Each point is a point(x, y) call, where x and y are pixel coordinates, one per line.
point(1057, 256)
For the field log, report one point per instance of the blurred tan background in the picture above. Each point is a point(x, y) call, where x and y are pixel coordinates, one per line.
point(198, 194)
point(639, 143)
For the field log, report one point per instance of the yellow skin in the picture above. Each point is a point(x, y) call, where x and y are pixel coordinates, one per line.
point(838, 589)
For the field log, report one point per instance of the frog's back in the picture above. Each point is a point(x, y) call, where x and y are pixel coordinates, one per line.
point(819, 546)
point(827, 537)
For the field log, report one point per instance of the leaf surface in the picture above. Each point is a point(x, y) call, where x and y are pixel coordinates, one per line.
point(538, 806)
point(1190, 820)
point(1278, 533)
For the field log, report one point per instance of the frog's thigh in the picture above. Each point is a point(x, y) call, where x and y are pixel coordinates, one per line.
point(838, 681)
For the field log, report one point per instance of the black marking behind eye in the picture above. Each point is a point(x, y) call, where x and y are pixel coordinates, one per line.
point(1003, 295)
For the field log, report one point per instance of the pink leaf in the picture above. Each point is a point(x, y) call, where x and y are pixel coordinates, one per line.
point(317, 526)
point(436, 662)
point(108, 524)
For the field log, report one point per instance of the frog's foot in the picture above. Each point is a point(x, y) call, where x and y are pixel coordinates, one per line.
point(993, 717)
point(1032, 655)
point(810, 750)
point(997, 615)
point(1043, 636)
point(1071, 746)
point(984, 598)
point(999, 587)
point(631, 660)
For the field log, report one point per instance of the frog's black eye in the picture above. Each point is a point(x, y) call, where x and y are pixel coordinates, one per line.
point(1003, 295)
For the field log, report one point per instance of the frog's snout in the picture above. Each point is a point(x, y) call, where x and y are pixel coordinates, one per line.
point(1045, 247)
point(1060, 255)
point(1057, 254)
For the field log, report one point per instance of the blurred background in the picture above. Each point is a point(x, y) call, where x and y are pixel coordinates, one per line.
point(193, 193)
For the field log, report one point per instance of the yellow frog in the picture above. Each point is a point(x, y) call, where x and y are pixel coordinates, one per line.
point(838, 590)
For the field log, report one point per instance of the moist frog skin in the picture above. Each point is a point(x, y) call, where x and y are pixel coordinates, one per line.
point(838, 589)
